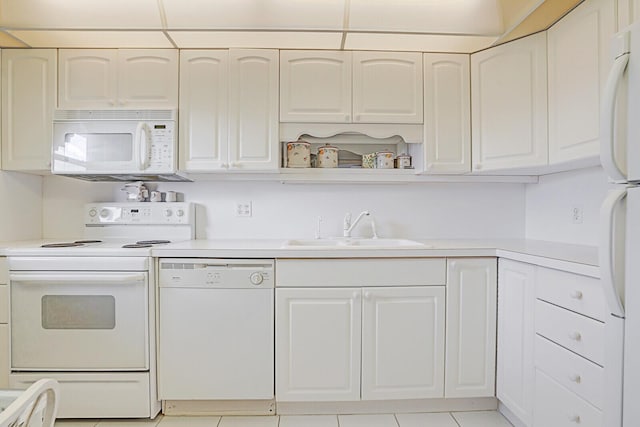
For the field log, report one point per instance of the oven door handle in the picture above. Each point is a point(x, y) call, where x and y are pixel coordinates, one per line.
point(89, 279)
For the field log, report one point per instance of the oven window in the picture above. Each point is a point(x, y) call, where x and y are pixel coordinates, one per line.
point(78, 312)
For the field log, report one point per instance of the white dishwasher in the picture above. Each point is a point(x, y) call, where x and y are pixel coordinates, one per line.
point(216, 329)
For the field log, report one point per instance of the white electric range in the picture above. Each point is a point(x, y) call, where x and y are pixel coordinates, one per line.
point(83, 311)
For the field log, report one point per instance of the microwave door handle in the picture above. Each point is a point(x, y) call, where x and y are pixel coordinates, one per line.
point(142, 136)
point(609, 275)
point(607, 119)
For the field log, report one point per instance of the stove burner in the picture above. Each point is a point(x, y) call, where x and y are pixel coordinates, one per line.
point(88, 241)
point(62, 245)
point(138, 245)
point(152, 242)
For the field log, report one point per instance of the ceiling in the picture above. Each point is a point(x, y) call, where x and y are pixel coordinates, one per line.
point(400, 25)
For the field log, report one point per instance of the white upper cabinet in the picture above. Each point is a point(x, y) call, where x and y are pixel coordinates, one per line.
point(515, 374)
point(28, 101)
point(447, 121)
point(509, 105)
point(204, 116)
point(628, 12)
point(387, 87)
point(228, 110)
point(403, 342)
point(351, 87)
point(578, 51)
point(122, 78)
point(471, 327)
point(315, 86)
point(253, 109)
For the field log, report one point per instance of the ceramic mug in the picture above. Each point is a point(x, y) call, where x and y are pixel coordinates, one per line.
point(156, 196)
point(327, 157)
point(171, 196)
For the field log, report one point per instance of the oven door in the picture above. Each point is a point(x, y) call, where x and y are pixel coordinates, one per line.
point(79, 321)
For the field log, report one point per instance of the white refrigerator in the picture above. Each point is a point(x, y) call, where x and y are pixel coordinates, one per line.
point(619, 249)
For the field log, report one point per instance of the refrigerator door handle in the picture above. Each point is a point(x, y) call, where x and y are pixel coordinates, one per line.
point(607, 119)
point(607, 262)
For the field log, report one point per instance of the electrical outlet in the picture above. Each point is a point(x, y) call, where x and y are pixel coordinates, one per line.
point(243, 209)
point(576, 215)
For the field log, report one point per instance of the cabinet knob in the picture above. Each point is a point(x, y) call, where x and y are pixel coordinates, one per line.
point(576, 336)
point(356, 295)
point(235, 164)
point(575, 378)
point(477, 166)
point(112, 103)
point(576, 295)
point(574, 418)
point(367, 295)
point(224, 166)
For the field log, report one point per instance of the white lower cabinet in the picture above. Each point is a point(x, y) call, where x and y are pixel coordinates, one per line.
point(515, 369)
point(4, 356)
point(319, 334)
point(471, 327)
point(4, 323)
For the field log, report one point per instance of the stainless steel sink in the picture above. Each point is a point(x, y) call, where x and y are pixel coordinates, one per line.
point(352, 243)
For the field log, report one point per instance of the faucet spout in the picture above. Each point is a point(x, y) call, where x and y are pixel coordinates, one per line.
point(349, 226)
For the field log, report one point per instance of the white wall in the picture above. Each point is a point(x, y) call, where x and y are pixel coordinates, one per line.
point(549, 206)
point(20, 206)
point(290, 210)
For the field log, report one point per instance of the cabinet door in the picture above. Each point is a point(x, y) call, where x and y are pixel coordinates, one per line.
point(387, 87)
point(148, 78)
point(28, 100)
point(88, 78)
point(318, 344)
point(315, 86)
point(4, 356)
point(253, 110)
point(509, 105)
point(447, 121)
point(204, 81)
point(515, 369)
point(578, 51)
point(403, 343)
point(471, 327)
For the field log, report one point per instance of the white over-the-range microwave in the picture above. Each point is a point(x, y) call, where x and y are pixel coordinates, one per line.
point(116, 145)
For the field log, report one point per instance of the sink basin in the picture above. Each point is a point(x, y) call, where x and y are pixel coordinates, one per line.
point(352, 243)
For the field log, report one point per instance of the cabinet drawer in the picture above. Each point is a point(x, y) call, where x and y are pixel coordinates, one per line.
point(360, 272)
point(576, 373)
point(558, 407)
point(578, 333)
point(581, 294)
point(4, 271)
point(4, 303)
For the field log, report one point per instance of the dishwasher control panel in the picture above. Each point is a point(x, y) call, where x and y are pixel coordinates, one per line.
point(220, 273)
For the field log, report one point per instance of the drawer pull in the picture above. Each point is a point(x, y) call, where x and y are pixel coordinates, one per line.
point(576, 295)
point(574, 418)
point(575, 378)
point(576, 336)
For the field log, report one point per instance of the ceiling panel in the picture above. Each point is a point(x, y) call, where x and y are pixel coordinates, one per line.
point(256, 39)
point(255, 14)
point(80, 14)
point(417, 42)
point(93, 39)
point(477, 17)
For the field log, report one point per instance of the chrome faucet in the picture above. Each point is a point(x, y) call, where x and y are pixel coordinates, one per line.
point(348, 225)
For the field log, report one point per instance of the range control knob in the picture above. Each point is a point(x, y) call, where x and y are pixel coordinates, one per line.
point(256, 278)
point(104, 213)
point(93, 212)
point(168, 212)
point(180, 212)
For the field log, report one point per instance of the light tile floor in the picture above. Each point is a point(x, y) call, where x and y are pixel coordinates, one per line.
point(444, 419)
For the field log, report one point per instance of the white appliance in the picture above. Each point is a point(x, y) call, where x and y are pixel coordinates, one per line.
point(83, 312)
point(116, 145)
point(216, 338)
point(620, 235)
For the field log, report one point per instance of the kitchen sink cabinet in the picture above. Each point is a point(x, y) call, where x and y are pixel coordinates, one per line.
point(447, 119)
point(4, 323)
point(327, 337)
point(579, 60)
point(118, 78)
point(351, 87)
point(509, 105)
point(515, 376)
point(471, 327)
point(228, 110)
point(28, 101)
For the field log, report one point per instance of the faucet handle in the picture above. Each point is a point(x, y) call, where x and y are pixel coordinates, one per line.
point(347, 220)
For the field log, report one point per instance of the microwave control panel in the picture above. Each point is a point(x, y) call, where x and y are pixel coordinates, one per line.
point(162, 140)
